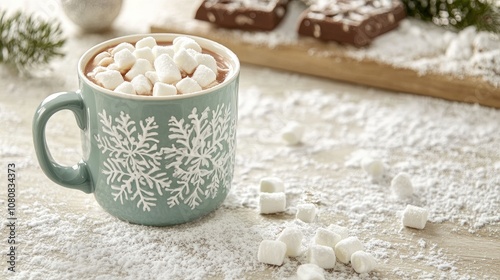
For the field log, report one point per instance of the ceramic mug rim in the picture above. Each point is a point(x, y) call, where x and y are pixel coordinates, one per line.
point(207, 44)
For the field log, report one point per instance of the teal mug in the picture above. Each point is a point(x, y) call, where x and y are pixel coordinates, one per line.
point(151, 160)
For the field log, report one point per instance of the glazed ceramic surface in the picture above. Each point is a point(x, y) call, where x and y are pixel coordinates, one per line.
point(149, 160)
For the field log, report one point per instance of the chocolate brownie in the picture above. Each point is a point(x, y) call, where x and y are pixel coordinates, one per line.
point(243, 14)
point(354, 22)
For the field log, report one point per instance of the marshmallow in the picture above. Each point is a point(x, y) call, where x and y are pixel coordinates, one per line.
point(122, 46)
point(292, 133)
point(204, 76)
point(271, 184)
point(310, 271)
point(346, 247)
point(113, 66)
point(159, 50)
point(166, 69)
point(415, 217)
point(106, 61)
point(124, 59)
point(373, 167)
point(145, 53)
point(141, 66)
point(152, 77)
point(272, 202)
point(125, 87)
point(401, 185)
point(149, 42)
point(187, 85)
point(292, 237)
point(96, 70)
point(342, 231)
point(323, 256)
point(207, 60)
point(326, 238)
point(180, 43)
point(141, 85)
point(184, 61)
point(109, 79)
point(306, 212)
point(271, 252)
point(192, 53)
point(162, 89)
point(100, 56)
point(363, 262)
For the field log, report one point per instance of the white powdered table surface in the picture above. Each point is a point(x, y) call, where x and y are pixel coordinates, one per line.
point(450, 150)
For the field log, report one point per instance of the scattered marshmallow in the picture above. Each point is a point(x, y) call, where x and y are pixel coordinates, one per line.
point(207, 60)
point(326, 237)
point(145, 53)
point(271, 252)
point(204, 76)
point(185, 61)
point(323, 256)
point(141, 85)
point(373, 167)
point(401, 185)
point(363, 262)
point(166, 69)
point(292, 133)
point(306, 212)
point(346, 247)
point(162, 89)
point(310, 271)
point(271, 185)
point(342, 231)
point(292, 237)
point(109, 79)
point(415, 217)
point(185, 43)
point(187, 85)
point(140, 67)
point(122, 46)
point(159, 50)
point(272, 202)
point(126, 87)
point(124, 59)
point(149, 42)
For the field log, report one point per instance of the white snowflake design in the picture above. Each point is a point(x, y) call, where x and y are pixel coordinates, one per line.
point(200, 161)
point(199, 157)
point(131, 166)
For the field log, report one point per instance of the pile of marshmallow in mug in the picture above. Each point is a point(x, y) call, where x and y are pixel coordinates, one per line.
point(151, 69)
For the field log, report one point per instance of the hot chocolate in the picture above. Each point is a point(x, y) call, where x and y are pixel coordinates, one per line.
point(152, 68)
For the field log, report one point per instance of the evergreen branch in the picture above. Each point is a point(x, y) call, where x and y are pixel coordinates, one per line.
point(26, 42)
point(458, 14)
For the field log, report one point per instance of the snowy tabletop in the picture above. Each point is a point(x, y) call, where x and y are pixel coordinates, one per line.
point(450, 151)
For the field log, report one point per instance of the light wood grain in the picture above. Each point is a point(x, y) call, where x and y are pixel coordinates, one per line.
point(309, 56)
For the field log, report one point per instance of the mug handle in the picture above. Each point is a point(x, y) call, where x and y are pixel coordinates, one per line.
point(74, 177)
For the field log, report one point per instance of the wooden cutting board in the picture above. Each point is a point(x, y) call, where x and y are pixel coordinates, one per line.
point(336, 65)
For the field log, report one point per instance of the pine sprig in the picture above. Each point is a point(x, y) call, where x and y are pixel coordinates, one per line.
point(26, 42)
point(457, 14)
